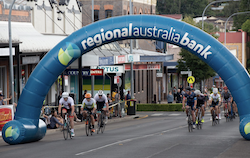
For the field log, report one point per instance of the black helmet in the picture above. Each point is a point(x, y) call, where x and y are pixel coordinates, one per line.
point(188, 89)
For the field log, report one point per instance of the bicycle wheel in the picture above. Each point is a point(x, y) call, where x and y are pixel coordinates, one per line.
point(69, 130)
point(99, 125)
point(199, 119)
point(190, 123)
point(87, 126)
point(65, 130)
point(213, 118)
point(102, 124)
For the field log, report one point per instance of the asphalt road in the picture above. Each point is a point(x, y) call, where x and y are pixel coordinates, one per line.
point(152, 135)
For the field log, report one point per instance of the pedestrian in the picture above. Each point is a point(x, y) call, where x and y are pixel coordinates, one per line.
point(179, 96)
point(117, 107)
point(170, 97)
point(113, 95)
point(55, 120)
point(85, 92)
point(1, 99)
point(181, 88)
point(175, 92)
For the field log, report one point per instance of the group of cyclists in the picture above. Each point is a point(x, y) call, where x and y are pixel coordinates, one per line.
point(94, 105)
point(194, 99)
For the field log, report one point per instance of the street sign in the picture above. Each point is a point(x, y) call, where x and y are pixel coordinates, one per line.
point(191, 85)
point(116, 79)
point(191, 79)
point(96, 72)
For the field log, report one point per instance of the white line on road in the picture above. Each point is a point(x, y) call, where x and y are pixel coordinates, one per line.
point(174, 114)
point(128, 140)
point(162, 151)
point(156, 114)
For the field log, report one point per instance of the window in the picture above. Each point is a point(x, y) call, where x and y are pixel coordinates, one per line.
point(96, 15)
point(108, 13)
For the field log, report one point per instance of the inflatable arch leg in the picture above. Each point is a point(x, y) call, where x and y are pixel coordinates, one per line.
point(26, 126)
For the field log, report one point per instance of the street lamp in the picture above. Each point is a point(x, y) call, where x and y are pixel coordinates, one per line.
point(11, 57)
point(211, 4)
point(227, 21)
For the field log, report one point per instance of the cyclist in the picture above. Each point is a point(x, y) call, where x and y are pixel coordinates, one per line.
point(191, 99)
point(102, 103)
point(68, 103)
point(89, 104)
point(227, 98)
point(215, 101)
point(201, 102)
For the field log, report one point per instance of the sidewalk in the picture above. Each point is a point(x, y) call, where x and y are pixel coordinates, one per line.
point(79, 125)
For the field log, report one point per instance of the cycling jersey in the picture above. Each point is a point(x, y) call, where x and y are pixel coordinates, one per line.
point(67, 104)
point(201, 100)
point(87, 105)
point(226, 96)
point(190, 99)
point(215, 99)
point(102, 99)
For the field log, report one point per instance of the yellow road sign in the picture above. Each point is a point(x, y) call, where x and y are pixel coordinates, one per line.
point(191, 79)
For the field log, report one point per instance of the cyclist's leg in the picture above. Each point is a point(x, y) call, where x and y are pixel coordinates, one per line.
point(211, 109)
point(216, 110)
point(203, 110)
point(71, 118)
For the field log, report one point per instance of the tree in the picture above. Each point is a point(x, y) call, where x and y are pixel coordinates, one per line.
point(189, 61)
point(184, 7)
point(240, 19)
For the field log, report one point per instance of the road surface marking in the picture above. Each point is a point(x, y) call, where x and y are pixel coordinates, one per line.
point(157, 114)
point(174, 114)
point(162, 151)
point(128, 140)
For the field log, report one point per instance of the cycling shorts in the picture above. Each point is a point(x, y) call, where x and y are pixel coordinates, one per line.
point(214, 104)
point(201, 105)
point(88, 109)
point(68, 111)
point(192, 107)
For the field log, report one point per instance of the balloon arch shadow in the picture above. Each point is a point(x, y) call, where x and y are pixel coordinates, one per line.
point(26, 127)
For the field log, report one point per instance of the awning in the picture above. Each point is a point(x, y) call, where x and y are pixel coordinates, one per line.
point(31, 41)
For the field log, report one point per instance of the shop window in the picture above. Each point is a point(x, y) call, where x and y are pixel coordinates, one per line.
point(108, 13)
point(96, 15)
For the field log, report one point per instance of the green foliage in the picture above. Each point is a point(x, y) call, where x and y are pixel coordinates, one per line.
point(184, 7)
point(246, 26)
point(240, 19)
point(159, 107)
point(190, 61)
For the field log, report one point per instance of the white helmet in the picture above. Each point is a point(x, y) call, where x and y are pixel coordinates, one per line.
point(100, 92)
point(215, 90)
point(197, 92)
point(65, 94)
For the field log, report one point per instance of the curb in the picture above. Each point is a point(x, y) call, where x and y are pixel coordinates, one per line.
point(82, 125)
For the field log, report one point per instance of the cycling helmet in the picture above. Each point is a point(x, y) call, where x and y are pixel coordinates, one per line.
point(188, 89)
point(65, 94)
point(215, 90)
point(87, 95)
point(197, 92)
point(225, 87)
point(100, 92)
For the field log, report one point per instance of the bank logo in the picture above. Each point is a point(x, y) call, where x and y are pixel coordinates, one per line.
point(247, 128)
point(72, 51)
point(153, 32)
point(12, 133)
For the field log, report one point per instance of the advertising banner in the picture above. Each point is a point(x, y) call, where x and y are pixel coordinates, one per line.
point(6, 114)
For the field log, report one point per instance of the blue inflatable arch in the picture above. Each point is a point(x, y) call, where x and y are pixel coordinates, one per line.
point(27, 128)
